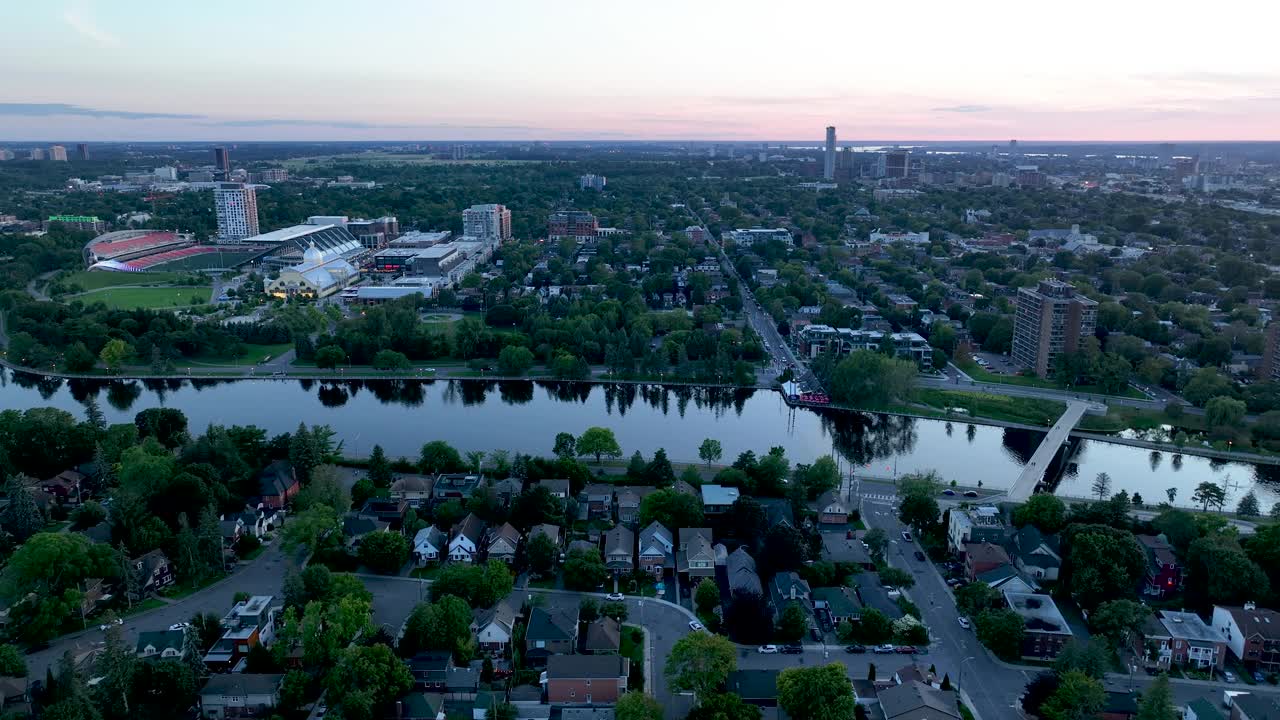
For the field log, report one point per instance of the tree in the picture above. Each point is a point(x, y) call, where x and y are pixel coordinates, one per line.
point(440, 625)
point(816, 693)
point(1157, 702)
point(1207, 383)
point(384, 552)
point(115, 354)
point(749, 519)
point(1220, 573)
point(635, 705)
point(380, 473)
point(1102, 485)
point(1248, 506)
point(21, 518)
point(514, 360)
point(1224, 413)
point(821, 476)
point(710, 451)
point(536, 506)
point(294, 690)
point(869, 378)
point(636, 467)
point(365, 678)
point(304, 452)
point(167, 425)
point(918, 511)
point(972, 598)
point(599, 442)
point(12, 661)
point(1116, 619)
point(1103, 563)
point(481, 586)
point(792, 624)
point(723, 706)
point(1001, 630)
point(566, 446)
point(1207, 494)
point(311, 527)
point(330, 357)
point(672, 509)
point(541, 552)
point(877, 541)
point(325, 488)
point(785, 548)
point(874, 628)
point(1043, 511)
point(700, 663)
point(897, 577)
point(707, 596)
point(439, 456)
point(87, 515)
point(1078, 697)
point(390, 360)
point(1179, 527)
point(584, 570)
point(1037, 693)
point(658, 471)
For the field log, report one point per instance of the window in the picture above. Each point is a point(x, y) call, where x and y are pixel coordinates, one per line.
point(540, 643)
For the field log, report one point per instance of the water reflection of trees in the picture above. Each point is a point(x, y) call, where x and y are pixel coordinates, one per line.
point(1021, 444)
point(863, 438)
point(332, 395)
point(122, 394)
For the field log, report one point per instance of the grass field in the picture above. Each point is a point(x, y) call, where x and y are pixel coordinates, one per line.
point(209, 260)
point(257, 355)
point(1030, 411)
point(980, 374)
point(105, 279)
point(130, 298)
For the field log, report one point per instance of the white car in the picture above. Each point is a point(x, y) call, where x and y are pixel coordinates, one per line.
point(614, 597)
point(964, 622)
point(180, 626)
point(695, 625)
point(767, 649)
point(104, 626)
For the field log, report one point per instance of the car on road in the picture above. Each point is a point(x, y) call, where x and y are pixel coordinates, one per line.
point(767, 649)
point(955, 582)
point(883, 649)
point(964, 622)
point(792, 649)
point(1228, 676)
point(1259, 677)
point(905, 649)
point(906, 535)
point(695, 625)
point(106, 625)
point(180, 626)
point(855, 649)
point(920, 556)
point(948, 491)
point(971, 493)
point(615, 597)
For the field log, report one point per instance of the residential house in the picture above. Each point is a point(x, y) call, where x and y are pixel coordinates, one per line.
point(1036, 555)
point(412, 489)
point(392, 512)
point(454, 486)
point(603, 637)
point(628, 501)
point(231, 530)
point(831, 509)
point(356, 527)
point(429, 545)
point(685, 488)
point(494, 628)
point(657, 551)
point(586, 679)
point(507, 489)
point(161, 644)
point(973, 525)
point(557, 487)
point(786, 588)
point(430, 669)
point(981, 557)
point(840, 547)
point(777, 511)
point(154, 571)
point(834, 605)
point(551, 631)
point(914, 700)
point(1007, 578)
point(277, 484)
point(465, 539)
point(740, 568)
point(718, 499)
point(620, 549)
point(1045, 631)
point(501, 543)
point(1252, 633)
point(1250, 706)
point(420, 706)
point(873, 595)
point(1202, 709)
point(1182, 639)
point(66, 486)
point(755, 687)
point(551, 531)
point(239, 695)
point(249, 623)
point(1164, 574)
point(696, 558)
point(597, 498)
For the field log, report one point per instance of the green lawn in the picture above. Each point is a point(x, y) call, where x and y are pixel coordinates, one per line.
point(257, 354)
point(980, 374)
point(1030, 411)
point(425, 573)
point(98, 279)
point(152, 298)
point(632, 646)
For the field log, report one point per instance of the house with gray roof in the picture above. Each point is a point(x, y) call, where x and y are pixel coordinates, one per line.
point(786, 588)
point(1035, 554)
point(602, 637)
point(228, 695)
point(551, 631)
point(429, 545)
point(1045, 630)
point(494, 627)
point(557, 487)
point(834, 605)
point(657, 549)
point(502, 542)
point(551, 531)
point(741, 570)
point(915, 700)
point(696, 557)
point(466, 539)
point(161, 644)
point(620, 549)
point(718, 499)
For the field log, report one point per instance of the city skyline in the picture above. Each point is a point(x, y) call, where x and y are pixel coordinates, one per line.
point(491, 70)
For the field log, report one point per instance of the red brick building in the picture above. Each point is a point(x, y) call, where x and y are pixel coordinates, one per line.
point(586, 679)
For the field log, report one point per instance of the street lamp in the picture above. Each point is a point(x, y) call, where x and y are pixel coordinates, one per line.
point(960, 680)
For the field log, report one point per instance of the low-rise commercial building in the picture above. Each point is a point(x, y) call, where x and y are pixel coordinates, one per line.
point(814, 340)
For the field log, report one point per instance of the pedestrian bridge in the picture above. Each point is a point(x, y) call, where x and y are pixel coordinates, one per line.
point(1034, 470)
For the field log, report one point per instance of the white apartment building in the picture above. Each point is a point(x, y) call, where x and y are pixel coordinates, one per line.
point(487, 222)
point(58, 153)
point(747, 238)
point(236, 206)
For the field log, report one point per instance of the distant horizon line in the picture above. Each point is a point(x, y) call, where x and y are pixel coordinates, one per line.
point(654, 141)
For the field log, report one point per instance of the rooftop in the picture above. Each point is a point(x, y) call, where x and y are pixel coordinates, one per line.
point(1039, 612)
point(586, 666)
point(719, 495)
point(1188, 626)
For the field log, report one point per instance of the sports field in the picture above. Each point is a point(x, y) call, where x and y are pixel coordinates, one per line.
point(96, 280)
point(130, 298)
point(208, 260)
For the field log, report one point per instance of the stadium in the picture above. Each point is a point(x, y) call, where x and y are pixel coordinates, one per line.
point(143, 250)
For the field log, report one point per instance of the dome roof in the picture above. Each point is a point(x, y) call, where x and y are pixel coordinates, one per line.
point(312, 255)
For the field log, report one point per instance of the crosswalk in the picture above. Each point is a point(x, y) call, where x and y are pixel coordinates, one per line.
point(874, 497)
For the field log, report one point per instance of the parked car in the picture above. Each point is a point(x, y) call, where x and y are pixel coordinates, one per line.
point(906, 535)
point(920, 556)
point(1228, 676)
point(964, 622)
point(855, 649)
point(695, 625)
point(180, 626)
point(905, 649)
point(767, 649)
point(883, 649)
point(971, 493)
point(948, 491)
point(106, 625)
point(614, 597)
point(792, 649)
point(1259, 677)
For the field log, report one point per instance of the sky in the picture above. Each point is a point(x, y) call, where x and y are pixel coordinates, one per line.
point(242, 70)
